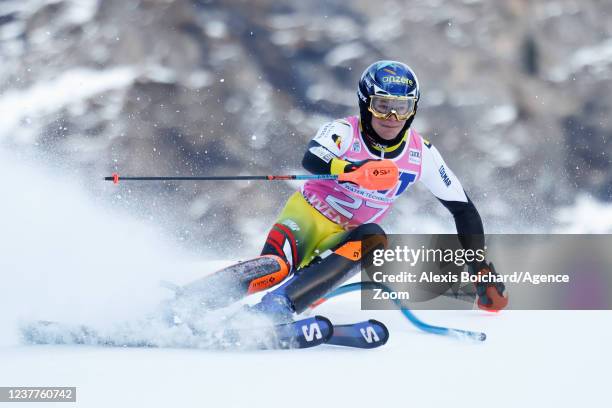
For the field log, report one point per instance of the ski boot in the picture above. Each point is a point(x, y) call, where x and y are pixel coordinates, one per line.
point(275, 306)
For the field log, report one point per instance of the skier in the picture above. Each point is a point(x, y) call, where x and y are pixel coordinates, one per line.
point(316, 238)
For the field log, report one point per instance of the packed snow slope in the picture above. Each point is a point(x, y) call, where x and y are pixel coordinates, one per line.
point(67, 256)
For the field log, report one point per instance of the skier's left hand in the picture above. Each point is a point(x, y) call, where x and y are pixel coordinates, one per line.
point(492, 296)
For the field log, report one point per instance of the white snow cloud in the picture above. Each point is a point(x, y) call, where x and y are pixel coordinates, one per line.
point(19, 107)
point(586, 216)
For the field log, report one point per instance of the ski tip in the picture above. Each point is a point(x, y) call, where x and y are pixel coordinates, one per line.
point(365, 335)
point(384, 329)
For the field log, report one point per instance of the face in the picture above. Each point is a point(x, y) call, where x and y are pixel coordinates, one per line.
point(387, 129)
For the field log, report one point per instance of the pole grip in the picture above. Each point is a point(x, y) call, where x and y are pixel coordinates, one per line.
point(374, 175)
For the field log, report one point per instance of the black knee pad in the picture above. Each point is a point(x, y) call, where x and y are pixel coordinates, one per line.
point(318, 279)
point(372, 237)
point(364, 230)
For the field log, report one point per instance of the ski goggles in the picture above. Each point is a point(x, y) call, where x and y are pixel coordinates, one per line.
point(382, 107)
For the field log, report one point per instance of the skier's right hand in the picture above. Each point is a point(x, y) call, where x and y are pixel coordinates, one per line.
point(352, 166)
point(371, 174)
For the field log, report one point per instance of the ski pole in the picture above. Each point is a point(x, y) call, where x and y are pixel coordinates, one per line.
point(374, 175)
point(418, 323)
point(115, 178)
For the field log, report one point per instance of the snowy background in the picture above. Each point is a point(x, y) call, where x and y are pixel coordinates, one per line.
point(515, 94)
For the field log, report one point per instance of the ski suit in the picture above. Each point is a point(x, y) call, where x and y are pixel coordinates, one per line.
point(323, 212)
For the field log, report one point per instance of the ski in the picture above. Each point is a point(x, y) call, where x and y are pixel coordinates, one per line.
point(312, 332)
point(303, 333)
point(366, 335)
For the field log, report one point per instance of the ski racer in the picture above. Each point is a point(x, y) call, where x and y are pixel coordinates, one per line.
point(316, 238)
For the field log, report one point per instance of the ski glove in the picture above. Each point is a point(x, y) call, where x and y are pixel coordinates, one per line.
point(352, 166)
point(491, 295)
point(371, 174)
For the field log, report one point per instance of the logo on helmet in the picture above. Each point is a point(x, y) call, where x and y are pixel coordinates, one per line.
point(398, 80)
point(361, 95)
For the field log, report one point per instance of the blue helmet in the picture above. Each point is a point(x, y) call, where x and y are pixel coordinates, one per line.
point(391, 79)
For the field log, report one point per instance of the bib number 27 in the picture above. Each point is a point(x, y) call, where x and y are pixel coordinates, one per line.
point(344, 207)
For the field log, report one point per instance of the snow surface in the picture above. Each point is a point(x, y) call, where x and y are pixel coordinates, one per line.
point(67, 256)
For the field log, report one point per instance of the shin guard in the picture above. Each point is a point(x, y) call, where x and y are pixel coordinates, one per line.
point(236, 281)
